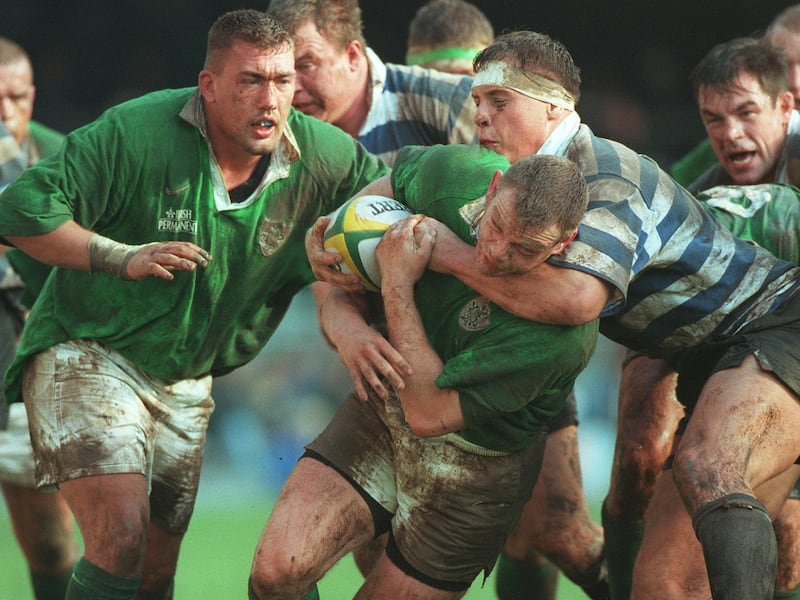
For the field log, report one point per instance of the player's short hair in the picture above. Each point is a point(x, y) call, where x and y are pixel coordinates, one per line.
point(338, 20)
point(537, 53)
point(252, 26)
point(11, 52)
point(788, 19)
point(450, 23)
point(725, 62)
point(550, 190)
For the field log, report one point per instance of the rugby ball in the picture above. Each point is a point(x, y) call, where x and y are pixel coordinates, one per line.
point(354, 231)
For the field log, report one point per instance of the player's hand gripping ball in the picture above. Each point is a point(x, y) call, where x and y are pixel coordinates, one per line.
point(354, 231)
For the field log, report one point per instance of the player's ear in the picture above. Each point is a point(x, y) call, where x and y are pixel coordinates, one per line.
point(559, 247)
point(493, 185)
point(785, 102)
point(205, 83)
point(355, 54)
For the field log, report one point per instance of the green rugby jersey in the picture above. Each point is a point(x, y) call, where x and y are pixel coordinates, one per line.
point(512, 375)
point(142, 173)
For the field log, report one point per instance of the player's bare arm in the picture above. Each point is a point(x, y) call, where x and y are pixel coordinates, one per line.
point(403, 255)
point(369, 357)
point(322, 261)
point(74, 247)
point(547, 294)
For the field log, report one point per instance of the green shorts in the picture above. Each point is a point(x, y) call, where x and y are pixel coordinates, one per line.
point(451, 504)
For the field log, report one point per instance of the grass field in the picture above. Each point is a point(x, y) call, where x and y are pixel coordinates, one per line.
point(216, 554)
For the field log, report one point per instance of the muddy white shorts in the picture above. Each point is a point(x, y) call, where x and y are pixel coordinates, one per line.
point(93, 412)
point(16, 455)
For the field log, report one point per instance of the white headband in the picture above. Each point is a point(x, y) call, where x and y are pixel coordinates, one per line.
point(502, 74)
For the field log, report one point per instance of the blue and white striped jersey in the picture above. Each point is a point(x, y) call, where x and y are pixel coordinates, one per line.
point(680, 276)
point(416, 106)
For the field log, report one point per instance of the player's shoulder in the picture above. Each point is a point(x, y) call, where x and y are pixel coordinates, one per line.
point(315, 137)
point(152, 101)
point(443, 157)
point(425, 83)
point(150, 112)
point(326, 149)
point(46, 139)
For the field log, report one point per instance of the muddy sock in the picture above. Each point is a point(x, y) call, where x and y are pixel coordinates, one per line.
point(90, 582)
point(594, 582)
point(622, 540)
point(516, 579)
point(739, 547)
point(50, 587)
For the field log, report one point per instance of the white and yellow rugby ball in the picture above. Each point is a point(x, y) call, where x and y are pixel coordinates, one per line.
point(354, 231)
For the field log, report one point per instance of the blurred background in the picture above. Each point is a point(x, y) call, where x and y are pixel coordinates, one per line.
point(635, 58)
point(635, 55)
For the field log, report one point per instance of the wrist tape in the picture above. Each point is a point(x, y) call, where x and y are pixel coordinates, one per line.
point(108, 256)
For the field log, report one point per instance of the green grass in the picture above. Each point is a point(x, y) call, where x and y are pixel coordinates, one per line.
point(216, 555)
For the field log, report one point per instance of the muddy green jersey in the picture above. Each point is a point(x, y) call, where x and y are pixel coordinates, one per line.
point(766, 214)
point(512, 375)
point(143, 172)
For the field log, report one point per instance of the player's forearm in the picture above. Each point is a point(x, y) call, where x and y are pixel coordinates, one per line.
point(339, 312)
point(547, 294)
point(66, 246)
point(429, 409)
point(379, 187)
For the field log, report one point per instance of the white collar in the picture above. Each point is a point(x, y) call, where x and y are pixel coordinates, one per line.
point(559, 139)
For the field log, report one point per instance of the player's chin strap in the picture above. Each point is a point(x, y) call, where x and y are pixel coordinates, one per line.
point(739, 546)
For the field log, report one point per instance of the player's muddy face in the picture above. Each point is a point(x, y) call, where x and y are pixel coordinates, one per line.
point(504, 247)
point(247, 97)
point(746, 128)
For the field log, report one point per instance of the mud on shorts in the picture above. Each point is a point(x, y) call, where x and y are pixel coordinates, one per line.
point(93, 412)
point(16, 454)
point(12, 318)
point(774, 341)
point(447, 504)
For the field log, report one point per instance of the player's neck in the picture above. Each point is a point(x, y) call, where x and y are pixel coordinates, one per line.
point(352, 120)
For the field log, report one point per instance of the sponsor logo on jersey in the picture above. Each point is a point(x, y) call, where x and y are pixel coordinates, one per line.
point(178, 220)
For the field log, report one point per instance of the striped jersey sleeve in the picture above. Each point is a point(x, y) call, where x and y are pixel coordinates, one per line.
point(679, 276)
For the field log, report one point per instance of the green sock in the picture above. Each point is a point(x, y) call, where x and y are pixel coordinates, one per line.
point(622, 539)
point(787, 594)
point(594, 581)
point(515, 579)
point(90, 582)
point(50, 587)
point(313, 594)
